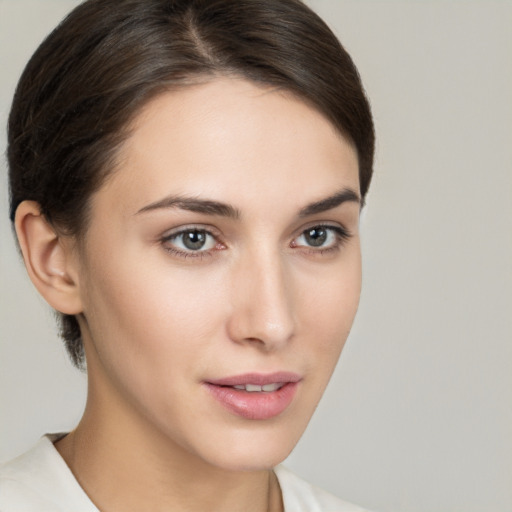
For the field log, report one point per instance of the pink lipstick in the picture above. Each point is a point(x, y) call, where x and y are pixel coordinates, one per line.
point(255, 396)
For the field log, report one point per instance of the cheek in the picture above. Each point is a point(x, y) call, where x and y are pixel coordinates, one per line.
point(148, 316)
point(146, 313)
point(329, 308)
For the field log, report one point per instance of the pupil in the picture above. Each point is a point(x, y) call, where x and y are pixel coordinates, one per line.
point(316, 236)
point(194, 239)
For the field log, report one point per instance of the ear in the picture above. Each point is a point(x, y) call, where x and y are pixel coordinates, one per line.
point(49, 258)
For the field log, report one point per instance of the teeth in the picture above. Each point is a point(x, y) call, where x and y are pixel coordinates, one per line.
point(254, 387)
point(271, 387)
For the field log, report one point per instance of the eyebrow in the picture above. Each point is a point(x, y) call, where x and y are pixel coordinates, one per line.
point(210, 207)
point(337, 199)
point(194, 205)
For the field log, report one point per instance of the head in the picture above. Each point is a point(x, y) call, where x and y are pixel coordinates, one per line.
point(114, 77)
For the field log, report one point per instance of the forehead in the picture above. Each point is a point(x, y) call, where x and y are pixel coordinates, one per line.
point(232, 138)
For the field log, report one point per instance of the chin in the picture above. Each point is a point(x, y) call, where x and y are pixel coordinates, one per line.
point(244, 459)
point(254, 448)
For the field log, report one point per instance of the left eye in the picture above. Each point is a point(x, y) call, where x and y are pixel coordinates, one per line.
point(319, 236)
point(192, 240)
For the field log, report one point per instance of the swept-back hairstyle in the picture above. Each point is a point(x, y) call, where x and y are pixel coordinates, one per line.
point(93, 74)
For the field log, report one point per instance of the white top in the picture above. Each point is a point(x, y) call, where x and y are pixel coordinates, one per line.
point(40, 481)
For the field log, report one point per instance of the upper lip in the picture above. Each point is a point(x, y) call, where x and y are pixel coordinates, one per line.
point(259, 379)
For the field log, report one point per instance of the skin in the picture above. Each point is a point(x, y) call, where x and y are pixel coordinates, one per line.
point(157, 323)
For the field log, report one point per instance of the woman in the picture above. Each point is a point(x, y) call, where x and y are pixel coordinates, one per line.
point(186, 181)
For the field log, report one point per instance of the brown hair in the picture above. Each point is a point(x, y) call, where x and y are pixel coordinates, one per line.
point(108, 58)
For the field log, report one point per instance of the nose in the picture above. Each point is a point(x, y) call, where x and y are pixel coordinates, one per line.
point(262, 311)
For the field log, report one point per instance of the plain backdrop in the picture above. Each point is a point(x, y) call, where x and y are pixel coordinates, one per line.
point(418, 417)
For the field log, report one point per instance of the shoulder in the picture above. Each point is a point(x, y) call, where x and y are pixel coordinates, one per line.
point(39, 480)
point(301, 496)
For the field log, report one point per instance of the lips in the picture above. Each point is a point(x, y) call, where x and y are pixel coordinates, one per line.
point(255, 396)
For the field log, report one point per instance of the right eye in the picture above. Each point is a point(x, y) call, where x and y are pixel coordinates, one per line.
point(190, 242)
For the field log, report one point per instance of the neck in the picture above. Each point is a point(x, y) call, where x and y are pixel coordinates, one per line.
point(123, 464)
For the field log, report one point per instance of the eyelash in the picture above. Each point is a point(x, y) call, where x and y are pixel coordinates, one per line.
point(341, 237)
point(340, 233)
point(190, 254)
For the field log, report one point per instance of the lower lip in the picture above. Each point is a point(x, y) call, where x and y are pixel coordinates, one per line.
point(257, 405)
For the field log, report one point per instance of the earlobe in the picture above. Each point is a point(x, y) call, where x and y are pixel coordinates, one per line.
point(49, 260)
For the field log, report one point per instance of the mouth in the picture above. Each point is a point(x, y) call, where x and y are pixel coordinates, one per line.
point(254, 388)
point(255, 396)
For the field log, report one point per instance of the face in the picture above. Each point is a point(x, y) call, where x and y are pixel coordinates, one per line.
point(221, 271)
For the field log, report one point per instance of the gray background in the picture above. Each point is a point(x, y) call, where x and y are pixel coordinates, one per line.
point(418, 417)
